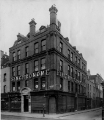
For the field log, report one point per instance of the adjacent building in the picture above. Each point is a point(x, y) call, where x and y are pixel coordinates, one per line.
point(94, 90)
point(5, 80)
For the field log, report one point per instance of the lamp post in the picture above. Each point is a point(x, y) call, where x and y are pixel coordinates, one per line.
point(103, 101)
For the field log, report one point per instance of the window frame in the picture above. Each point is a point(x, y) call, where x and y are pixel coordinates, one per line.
point(13, 87)
point(61, 47)
point(4, 88)
point(26, 51)
point(26, 68)
point(36, 48)
point(36, 82)
point(43, 81)
point(14, 56)
point(61, 83)
point(69, 70)
point(18, 86)
point(61, 66)
point(26, 83)
point(18, 70)
point(13, 71)
point(36, 66)
point(71, 56)
point(5, 74)
point(43, 45)
point(18, 54)
point(43, 65)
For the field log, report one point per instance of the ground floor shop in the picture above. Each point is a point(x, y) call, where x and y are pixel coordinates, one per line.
point(51, 101)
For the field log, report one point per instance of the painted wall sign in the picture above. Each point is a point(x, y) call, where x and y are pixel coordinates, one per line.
point(32, 75)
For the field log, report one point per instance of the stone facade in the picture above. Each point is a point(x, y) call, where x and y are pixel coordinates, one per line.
point(46, 71)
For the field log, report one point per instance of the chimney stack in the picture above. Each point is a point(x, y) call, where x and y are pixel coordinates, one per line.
point(32, 27)
point(53, 15)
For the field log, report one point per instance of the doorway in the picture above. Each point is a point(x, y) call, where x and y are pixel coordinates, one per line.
point(25, 103)
point(52, 105)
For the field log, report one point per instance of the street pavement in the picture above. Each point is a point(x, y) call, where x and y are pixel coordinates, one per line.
point(92, 114)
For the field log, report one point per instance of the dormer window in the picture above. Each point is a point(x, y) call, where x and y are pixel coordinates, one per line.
point(19, 42)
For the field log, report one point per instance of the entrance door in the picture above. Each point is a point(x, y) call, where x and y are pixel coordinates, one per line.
point(52, 105)
point(25, 103)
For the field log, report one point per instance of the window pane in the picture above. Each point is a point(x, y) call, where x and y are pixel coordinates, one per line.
point(43, 63)
point(26, 83)
point(36, 83)
point(68, 70)
point(13, 86)
point(61, 83)
point(36, 48)
point(61, 47)
point(18, 85)
point(43, 45)
point(43, 84)
point(26, 50)
point(26, 68)
point(36, 65)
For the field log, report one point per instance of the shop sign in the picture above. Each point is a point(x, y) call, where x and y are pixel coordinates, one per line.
point(32, 75)
point(63, 75)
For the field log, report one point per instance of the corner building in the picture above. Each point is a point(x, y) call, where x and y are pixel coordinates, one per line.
point(46, 71)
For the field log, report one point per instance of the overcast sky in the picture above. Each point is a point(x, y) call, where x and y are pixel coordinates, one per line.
point(82, 21)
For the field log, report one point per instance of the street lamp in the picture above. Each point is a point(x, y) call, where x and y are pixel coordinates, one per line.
point(103, 101)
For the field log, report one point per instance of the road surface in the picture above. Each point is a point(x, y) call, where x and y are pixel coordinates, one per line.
point(92, 115)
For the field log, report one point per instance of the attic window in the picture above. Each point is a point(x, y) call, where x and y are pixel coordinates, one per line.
point(19, 41)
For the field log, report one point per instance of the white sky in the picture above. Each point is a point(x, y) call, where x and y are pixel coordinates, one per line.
point(81, 20)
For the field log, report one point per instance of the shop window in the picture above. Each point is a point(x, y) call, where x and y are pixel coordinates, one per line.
point(43, 83)
point(43, 45)
point(36, 83)
point(36, 48)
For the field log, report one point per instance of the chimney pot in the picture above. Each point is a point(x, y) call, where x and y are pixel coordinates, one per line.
point(32, 27)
